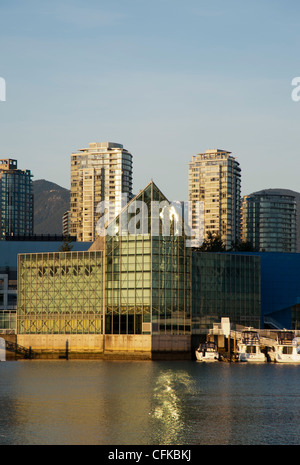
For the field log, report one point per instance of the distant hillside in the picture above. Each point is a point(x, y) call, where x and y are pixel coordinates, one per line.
point(50, 203)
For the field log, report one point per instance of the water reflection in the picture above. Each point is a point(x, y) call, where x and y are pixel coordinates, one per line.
point(44, 402)
point(75, 402)
point(168, 405)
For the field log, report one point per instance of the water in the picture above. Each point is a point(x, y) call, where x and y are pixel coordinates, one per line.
point(148, 403)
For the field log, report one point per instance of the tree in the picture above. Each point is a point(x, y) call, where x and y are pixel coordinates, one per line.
point(242, 246)
point(212, 243)
point(66, 245)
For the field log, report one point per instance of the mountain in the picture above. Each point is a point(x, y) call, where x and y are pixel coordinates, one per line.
point(50, 203)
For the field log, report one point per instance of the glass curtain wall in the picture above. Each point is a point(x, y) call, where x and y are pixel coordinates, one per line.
point(225, 285)
point(148, 269)
point(60, 293)
point(16, 203)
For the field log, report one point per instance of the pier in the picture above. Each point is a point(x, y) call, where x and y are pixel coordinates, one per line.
point(227, 339)
point(142, 347)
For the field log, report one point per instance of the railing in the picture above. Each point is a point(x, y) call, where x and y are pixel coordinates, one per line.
point(270, 321)
point(13, 347)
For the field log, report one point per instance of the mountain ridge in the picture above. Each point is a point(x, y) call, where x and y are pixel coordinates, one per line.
point(51, 201)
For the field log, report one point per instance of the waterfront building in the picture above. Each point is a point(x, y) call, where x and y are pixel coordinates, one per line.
point(269, 221)
point(225, 285)
point(280, 289)
point(139, 289)
point(252, 289)
point(16, 207)
point(8, 300)
point(148, 274)
point(63, 294)
point(133, 287)
point(215, 186)
point(9, 251)
point(101, 172)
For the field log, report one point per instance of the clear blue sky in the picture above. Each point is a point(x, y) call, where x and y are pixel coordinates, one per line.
point(166, 78)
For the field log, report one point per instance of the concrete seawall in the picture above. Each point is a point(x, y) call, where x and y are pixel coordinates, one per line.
point(108, 347)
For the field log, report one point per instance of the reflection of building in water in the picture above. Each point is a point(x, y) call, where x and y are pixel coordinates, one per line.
point(168, 400)
point(213, 417)
point(126, 398)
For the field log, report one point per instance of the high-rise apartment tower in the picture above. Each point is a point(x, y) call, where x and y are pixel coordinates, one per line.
point(269, 221)
point(16, 200)
point(215, 182)
point(101, 172)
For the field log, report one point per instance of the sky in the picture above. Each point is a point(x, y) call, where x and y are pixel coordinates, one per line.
point(167, 79)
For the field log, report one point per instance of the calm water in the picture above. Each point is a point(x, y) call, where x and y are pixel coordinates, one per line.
point(148, 403)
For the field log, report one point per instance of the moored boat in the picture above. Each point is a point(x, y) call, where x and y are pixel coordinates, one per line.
point(287, 349)
point(207, 352)
point(249, 347)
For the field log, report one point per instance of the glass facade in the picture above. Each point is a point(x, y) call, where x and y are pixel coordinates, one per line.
point(8, 300)
point(147, 280)
point(16, 200)
point(225, 285)
point(8, 321)
point(280, 290)
point(269, 222)
point(148, 274)
point(60, 293)
point(140, 279)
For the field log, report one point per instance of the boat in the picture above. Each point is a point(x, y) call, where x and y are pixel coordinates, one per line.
point(207, 352)
point(249, 347)
point(287, 349)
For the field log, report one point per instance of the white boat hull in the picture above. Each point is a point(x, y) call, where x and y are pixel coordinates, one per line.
point(251, 353)
point(290, 359)
point(287, 358)
point(258, 358)
point(208, 357)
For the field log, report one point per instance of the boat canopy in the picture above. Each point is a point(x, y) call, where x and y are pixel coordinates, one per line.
point(250, 337)
point(285, 337)
point(207, 345)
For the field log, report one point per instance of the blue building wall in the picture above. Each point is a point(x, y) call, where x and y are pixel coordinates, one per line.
point(225, 285)
point(280, 286)
point(9, 250)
